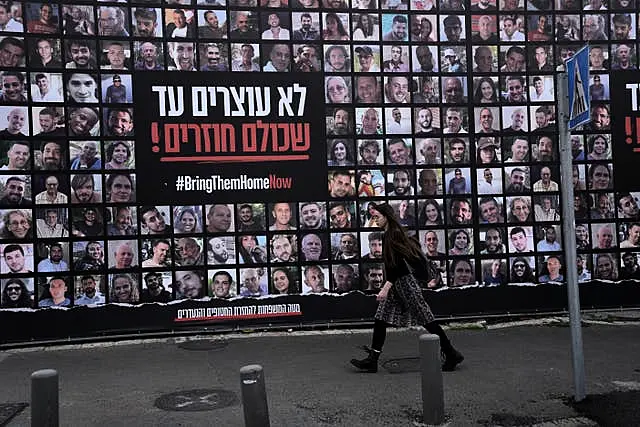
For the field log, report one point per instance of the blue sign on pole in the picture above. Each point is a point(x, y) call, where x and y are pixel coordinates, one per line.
point(578, 78)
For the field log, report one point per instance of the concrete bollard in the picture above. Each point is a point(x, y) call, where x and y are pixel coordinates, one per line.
point(44, 398)
point(431, 369)
point(254, 396)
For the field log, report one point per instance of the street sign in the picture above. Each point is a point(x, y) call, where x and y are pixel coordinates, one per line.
point(578, 77)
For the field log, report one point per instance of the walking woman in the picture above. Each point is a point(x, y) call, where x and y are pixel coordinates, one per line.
point(400, 300)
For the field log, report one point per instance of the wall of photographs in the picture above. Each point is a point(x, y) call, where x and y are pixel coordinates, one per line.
point(446, 109)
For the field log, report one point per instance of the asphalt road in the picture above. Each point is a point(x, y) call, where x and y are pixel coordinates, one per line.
point(513, 376)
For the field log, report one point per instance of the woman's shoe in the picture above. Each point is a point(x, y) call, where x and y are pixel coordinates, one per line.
point(368, 364)
point(452, 358)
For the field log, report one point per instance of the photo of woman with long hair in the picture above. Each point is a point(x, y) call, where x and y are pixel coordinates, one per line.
point(341, 153)
point(334, 29)
point(486, 91)
point(365, 28)
point(430, 213)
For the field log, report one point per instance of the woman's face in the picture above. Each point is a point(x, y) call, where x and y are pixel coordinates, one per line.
point(332, 25)
point(605, 267)
point(432, 213)
point(601, 177)
point(338, 92)
point(581, 233)
point(603, 204)
point(487, 155)
point(281, 281)
point(18, 225)
point(121, 189)
point(599, 146)
point(461, 241)
point(377, 218)
point(90, 216)
point(340, 152)
point(247, 242)
point(123, 220)
point(577, 202)
point(120, 154)
point(486, 90)
point(122, 289)
point(95, 251)
point(425, 27)
point(188, 222)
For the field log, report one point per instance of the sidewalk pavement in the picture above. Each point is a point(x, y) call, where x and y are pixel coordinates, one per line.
point(512, 376)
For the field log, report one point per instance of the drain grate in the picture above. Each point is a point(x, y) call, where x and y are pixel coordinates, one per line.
point(197, 400)
point(10, 410)
point(203, 345)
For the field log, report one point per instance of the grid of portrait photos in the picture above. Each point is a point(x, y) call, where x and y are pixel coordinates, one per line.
point(444, 108)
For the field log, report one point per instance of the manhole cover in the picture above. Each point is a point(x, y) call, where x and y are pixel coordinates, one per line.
point(202, 345)
point(10, 410)
point(197, 400)
point(401, 366)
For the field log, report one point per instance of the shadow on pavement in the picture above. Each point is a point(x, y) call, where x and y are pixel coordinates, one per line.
point(618, 408)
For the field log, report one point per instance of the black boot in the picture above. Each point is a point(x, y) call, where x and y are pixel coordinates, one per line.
point(452, 358)
point(368, 364)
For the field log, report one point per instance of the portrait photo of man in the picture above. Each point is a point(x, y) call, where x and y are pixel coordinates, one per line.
point(182, 56)
point(80, 54)
point(42, 18)
point(12, 52)
point(148, 56)
point(113, 21)
point(12, 88)
point(181, 24)
point(46, 87)
point(213, 57)
point(147, 22)
point(213, 24)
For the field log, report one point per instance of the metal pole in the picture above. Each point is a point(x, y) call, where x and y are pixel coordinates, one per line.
point(432, 390)
point(569, 236)
point(44, 398)
point(254, 396)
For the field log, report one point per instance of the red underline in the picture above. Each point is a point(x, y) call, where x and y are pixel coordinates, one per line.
point(239, 316)
point(216, 159)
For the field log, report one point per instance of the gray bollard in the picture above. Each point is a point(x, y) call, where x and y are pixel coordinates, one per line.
point(44, 398)
point(431, 369)
point(254, 396)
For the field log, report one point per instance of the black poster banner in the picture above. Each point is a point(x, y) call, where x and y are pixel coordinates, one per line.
point(236, 137)
point(625, 125)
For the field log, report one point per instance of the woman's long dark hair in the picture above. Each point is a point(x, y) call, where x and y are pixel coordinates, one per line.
point(477, 94)
point(396, 243)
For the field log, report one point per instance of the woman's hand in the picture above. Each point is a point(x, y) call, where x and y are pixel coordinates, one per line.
point(384, 292)
point(382, 295)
